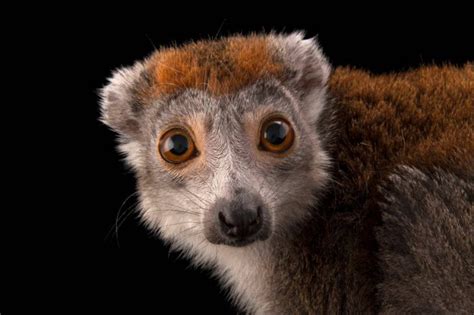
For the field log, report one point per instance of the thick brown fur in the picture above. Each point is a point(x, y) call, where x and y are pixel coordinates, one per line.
point(423, 118)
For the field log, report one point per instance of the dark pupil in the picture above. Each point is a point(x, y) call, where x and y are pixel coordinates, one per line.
point(178, 144)
point(276, 133)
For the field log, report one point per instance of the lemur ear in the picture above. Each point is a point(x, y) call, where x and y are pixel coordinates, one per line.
point(119, 107)
point(308, 72)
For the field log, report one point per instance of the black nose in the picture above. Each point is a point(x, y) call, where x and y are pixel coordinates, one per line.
point(240, 223)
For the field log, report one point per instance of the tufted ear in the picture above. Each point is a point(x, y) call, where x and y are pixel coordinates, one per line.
point(119, 105)
point(308, 71)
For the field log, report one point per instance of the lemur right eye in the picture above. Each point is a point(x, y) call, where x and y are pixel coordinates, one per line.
point(276, 135)
point(176, 146)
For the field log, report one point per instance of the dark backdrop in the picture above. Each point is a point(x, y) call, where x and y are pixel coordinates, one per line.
point(104, 260)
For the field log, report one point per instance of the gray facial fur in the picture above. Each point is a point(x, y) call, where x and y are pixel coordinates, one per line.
point(230, 160)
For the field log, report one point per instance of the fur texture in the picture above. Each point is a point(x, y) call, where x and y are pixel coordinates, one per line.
point(219, 67)
point(427, 243)
point(323, 197)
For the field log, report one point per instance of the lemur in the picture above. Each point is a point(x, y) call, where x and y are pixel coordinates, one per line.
point(306, 189)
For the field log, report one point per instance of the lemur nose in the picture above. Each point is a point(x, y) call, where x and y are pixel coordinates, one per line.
point(240, 223)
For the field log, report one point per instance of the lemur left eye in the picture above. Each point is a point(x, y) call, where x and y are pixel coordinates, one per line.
point(176, 146)
point(276, 135)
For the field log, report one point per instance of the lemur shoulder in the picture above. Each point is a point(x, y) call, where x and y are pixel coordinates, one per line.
point(306, 189)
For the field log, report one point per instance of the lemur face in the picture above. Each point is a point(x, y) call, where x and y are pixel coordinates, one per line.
point(222, 136)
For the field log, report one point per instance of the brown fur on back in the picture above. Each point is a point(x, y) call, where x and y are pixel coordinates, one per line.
point(423, 118)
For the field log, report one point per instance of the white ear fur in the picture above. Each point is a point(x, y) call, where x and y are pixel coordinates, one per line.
point(117, 100)
point(309, 70)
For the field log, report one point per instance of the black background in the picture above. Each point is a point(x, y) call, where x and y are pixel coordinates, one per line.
point(90, 263)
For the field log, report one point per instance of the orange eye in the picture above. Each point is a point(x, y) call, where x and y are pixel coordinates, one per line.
point(276, 135)
point(176, 146)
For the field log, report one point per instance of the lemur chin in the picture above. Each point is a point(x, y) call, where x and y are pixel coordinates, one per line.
point(301, 186)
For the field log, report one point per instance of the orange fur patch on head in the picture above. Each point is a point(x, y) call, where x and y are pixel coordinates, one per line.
point(218, 67)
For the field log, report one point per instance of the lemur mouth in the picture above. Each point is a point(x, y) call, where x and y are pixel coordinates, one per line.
point(219, 239)
point(243, 242)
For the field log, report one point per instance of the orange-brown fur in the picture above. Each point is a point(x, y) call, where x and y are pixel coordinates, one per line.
point(423, 117)
point(219, 67)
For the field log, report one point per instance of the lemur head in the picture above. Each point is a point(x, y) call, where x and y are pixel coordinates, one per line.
point(222, 136)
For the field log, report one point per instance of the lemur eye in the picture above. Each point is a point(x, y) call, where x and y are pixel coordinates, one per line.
point(276, 135)
point(176, 146)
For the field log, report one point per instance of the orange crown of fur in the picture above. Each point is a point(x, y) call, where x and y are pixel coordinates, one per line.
point(219, 67)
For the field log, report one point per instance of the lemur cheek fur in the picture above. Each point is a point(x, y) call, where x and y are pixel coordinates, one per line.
point(357, 199)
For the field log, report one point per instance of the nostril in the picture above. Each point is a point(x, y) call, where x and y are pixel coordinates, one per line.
point(224, 221)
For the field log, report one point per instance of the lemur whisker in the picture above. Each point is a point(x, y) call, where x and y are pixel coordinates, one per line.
point(178, 206)
point(119, 216)
point(190, 228)
point(198, 232)
point(200, 199)
point(189, 222)
point(192, 233)
point(130, 211)
point(200, 207)
point(151, 42)
point(176, 210)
